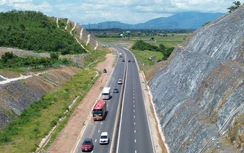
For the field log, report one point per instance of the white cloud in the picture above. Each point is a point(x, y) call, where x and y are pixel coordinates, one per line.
point(42, 7)
point(127, 11)
point(10, 2)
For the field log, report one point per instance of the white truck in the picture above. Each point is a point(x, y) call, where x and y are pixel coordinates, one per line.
point(106, 93)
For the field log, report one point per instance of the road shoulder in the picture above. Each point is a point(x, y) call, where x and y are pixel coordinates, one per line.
point(156, 133)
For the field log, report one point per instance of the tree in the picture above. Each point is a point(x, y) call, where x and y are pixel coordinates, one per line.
point(233, 8)
point(7, 56)
point(162, 48)
point(54, 55)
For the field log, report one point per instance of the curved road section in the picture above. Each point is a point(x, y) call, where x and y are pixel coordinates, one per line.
point(126, 120)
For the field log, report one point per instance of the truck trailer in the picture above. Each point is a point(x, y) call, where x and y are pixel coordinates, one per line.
point(106, 93)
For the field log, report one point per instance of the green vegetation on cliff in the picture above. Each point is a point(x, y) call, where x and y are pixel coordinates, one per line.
point(31, 30)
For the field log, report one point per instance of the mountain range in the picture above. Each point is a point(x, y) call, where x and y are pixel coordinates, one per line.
point(184, 20)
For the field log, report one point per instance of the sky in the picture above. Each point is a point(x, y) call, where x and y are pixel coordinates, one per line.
point(125, 11)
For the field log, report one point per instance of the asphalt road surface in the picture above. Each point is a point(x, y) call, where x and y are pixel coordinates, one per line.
point(128, 131)
point(134, 135)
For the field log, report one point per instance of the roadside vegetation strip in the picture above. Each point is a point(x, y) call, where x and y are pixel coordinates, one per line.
point(143, 59)
point(25, 133)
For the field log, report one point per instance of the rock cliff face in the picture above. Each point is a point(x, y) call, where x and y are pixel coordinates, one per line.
point(199, 95)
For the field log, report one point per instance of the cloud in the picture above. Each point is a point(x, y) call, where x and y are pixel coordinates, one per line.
point(42, 7)
point(127, 11)
point(11, 2)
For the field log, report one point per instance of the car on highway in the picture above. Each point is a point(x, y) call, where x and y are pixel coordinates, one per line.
point(104, 70)
point(123, 60)
point(116, 90)
point(120, 81)
point(104, 138)
point(128, 60)
point(87, 145)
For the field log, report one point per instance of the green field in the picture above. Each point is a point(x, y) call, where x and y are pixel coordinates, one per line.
point(143, 58)
point(168, 40)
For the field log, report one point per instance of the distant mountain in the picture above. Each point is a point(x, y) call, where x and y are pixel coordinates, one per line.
point(109, 25)
point(184, 20)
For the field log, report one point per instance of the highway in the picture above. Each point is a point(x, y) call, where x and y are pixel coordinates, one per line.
point(131, 134)
point(134, 135)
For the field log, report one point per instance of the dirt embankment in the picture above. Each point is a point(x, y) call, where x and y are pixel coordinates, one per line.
point(20, 91)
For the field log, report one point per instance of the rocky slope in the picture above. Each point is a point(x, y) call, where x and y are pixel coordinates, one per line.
point(199, 95)
point(19, 92)
point(82, 36)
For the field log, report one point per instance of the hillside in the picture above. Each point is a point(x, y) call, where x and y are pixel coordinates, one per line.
point(32, 34)
point(184, 20)
point(19, 94)
point(199, 94)
point(37, 32)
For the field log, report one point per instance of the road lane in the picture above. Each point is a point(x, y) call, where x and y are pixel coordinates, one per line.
point(95, 128)
point(134, 135)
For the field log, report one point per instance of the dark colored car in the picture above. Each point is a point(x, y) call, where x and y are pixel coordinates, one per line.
point(104, 71)
point(128, 60)
point(116, 90)
point(123, 60)
point(87, 145)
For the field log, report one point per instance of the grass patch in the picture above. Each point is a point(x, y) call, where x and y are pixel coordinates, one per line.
point(95, 57)
point(143, 58)
point(170, 41)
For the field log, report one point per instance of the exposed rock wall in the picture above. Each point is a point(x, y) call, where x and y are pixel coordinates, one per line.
point(18, 95)
point(199, 95)
point(82, 34)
